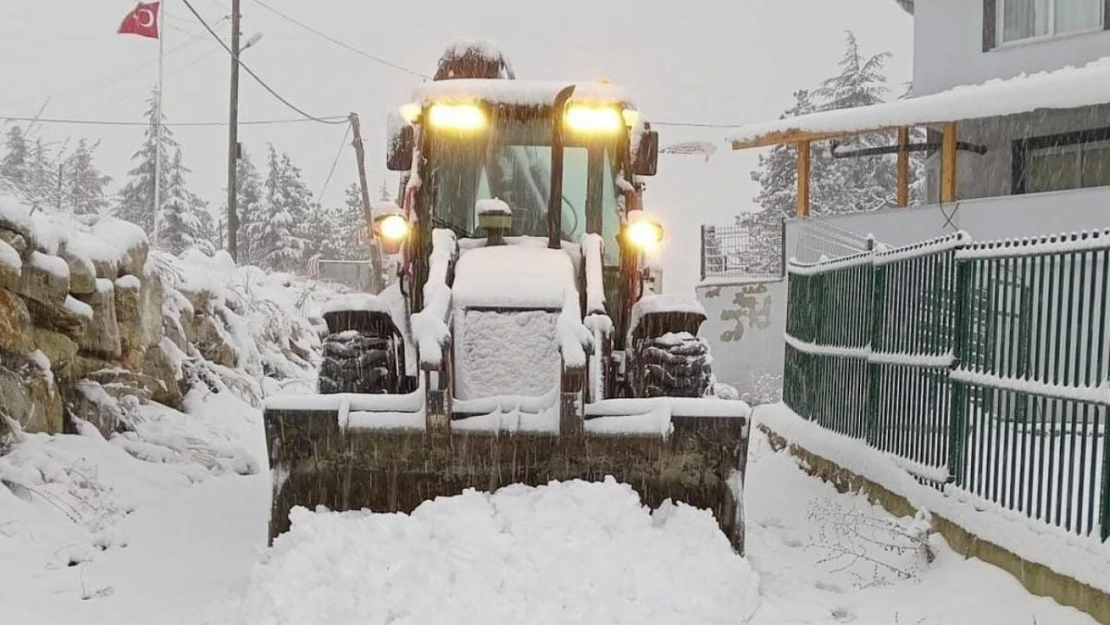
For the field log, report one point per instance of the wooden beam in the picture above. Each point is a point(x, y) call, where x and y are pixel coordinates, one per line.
point(793, 135)
point(802, 210)
point(903, 184)
point(948, 164)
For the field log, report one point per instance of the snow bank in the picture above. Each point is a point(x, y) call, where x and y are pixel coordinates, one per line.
point(1083, 559)
point(562, 553)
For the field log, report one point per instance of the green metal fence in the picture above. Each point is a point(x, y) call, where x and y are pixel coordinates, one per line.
point(981, 365)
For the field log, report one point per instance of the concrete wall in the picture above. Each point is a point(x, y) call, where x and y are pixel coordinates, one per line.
point(948, 48)
point(744, 329)
point(1028, 215)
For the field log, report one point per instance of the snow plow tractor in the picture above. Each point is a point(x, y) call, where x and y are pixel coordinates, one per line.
point(518, 341)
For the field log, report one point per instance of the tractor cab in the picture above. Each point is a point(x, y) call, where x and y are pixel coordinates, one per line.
point(563, 157)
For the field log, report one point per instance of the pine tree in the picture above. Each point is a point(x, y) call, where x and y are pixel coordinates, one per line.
point(13, 167)
point(185, 221)
point(778, 170)
point(41, 181)
point(278, 236)
point(248, 205)
point(855, 184)
point(82, 183)
point(136, 199)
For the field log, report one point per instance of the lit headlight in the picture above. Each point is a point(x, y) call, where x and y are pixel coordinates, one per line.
point(393, 227)
point(600, 119)
point(410, 112)
point(644, 234)
point(457, 116)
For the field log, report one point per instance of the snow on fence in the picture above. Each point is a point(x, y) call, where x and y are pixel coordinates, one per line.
point(983, 365)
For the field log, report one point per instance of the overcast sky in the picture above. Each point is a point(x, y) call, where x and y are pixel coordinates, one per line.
point(705, 61)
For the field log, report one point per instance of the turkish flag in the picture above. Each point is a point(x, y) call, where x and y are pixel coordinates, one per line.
point(142, 21)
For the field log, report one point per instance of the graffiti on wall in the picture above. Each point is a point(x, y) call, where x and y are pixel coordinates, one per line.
point(752, 306)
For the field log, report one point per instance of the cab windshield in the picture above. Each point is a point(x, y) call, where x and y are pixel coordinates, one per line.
point(511, 160)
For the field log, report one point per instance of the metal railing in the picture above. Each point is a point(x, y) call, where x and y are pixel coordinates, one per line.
point(755, 247)
point(981, 365)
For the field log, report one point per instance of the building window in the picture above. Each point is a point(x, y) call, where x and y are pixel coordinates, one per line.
point(1020, 20)
point(1067, 161)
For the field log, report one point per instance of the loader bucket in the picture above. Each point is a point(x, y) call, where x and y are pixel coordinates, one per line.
point(387, 454)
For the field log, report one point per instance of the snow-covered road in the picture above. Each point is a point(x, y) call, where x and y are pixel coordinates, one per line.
point(815, 556)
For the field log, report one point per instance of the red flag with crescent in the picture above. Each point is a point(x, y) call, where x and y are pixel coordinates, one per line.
point(142, 21)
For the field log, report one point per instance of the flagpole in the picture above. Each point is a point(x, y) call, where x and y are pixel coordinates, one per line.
point(158, 127)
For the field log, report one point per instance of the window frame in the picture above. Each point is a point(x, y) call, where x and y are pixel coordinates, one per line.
point(1022, 148)
point(994, 15)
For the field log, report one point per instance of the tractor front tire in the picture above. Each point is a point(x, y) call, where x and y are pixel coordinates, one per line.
point(358, 362)
point(676, 365)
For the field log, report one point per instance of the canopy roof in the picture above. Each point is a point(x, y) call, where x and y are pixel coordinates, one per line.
point(1066, 88)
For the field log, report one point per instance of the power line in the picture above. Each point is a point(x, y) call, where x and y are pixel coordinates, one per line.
point(342, 144)
point(342, 44)
point(695, 124)
point(331, 119)
point(248, 70)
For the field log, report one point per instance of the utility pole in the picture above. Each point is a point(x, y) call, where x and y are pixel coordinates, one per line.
point(376, 284)
point(233, 138)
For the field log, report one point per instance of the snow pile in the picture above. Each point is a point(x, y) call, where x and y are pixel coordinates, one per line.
point(1080, 558)
point(563, 553)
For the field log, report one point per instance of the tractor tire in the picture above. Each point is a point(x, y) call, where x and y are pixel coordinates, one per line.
point(355, 362)
point(676, 365)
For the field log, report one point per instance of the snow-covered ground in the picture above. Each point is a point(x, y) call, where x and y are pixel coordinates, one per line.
point(128, 541)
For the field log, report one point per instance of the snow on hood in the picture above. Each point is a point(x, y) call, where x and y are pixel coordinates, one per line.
point(513, 276)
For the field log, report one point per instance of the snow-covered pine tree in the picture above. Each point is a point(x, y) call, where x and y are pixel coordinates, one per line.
point(41, 184)
point(278, 235)
point(136, 199)
point(13, 166)
point(82, 183)
point(778, 170)
point(860, 183)
point(347, 223)
point(248, 204)
point(185, 222)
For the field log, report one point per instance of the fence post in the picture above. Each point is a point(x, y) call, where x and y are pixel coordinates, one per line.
point(1105, 522)
point(874, 369)
point(703, 251)
point(957, 425)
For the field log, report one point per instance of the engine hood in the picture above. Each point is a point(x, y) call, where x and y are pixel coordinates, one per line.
point(513, 276)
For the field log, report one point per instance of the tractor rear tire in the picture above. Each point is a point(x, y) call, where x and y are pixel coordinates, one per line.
point(676, 365)
point(357, 362)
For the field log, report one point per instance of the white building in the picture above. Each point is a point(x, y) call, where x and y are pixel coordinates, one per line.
point(1015, 98)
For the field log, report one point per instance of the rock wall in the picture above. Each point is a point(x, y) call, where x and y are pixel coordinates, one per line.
point(92, 324)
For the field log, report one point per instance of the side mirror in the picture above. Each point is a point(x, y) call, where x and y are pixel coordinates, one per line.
point(645, 161)
point(401, 143)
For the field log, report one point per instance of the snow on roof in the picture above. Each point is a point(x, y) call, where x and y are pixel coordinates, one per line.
point(1066, 88)
point(516, 92)
point(513, 276)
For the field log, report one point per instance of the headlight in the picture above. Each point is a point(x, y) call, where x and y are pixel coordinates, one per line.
point(457, 116)
point(600, 119)
point(644, 234)
point(393, 227)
